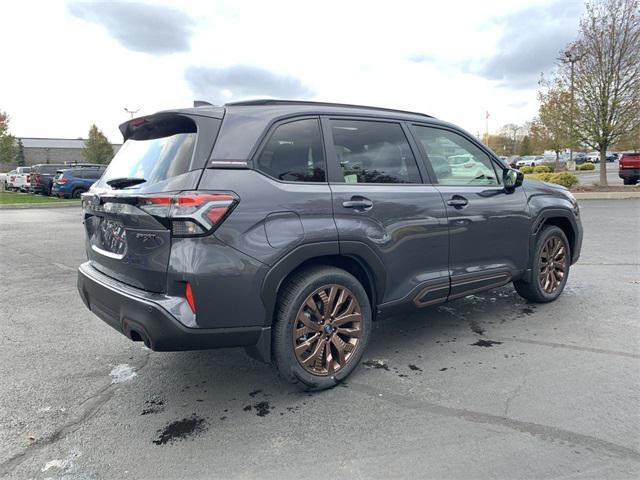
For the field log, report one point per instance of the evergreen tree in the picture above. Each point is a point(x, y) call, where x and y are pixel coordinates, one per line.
point(97, 148)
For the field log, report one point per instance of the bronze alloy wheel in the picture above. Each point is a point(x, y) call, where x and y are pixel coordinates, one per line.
point(327, 329)
point(553, 264)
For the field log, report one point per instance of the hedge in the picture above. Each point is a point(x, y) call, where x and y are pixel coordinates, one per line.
point(526, 169)
point(565, 179)
point(586, 166)
point(543, 169)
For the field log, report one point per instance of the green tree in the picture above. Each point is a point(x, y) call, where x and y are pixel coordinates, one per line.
point(20, 160)
point(97, 148)
point(7, 141)
point(525, 146)
point(607, 75)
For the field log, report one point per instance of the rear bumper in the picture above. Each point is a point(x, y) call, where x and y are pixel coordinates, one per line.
point(143, 315)
point(629, 173)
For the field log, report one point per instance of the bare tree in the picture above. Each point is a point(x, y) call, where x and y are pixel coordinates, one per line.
point(607, 77)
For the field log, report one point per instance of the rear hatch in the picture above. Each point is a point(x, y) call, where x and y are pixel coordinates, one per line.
point(127, 212)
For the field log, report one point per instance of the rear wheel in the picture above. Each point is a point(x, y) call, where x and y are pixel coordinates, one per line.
point(322, 327)
point(630, 181)
point(549, 267)
point(77, 192)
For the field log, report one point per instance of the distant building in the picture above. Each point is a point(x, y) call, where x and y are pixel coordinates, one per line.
point(55, 150)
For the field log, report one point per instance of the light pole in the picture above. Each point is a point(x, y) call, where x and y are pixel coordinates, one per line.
point(131, 112)
point(571, 56)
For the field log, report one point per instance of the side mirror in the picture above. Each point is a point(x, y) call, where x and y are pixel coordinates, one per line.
point(512, 178)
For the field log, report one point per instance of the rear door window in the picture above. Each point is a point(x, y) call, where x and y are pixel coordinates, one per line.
point(294, 153)
point(374, 152)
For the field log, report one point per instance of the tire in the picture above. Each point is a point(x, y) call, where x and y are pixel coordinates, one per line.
point(324, 371)
point(532, 286)
point(77, 192)
point(630, 181)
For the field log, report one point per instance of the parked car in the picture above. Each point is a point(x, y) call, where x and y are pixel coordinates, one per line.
point(21, 179)
point(8, 180)
point(42, 177)
point(73, 182)
point(249, 225)
point(629, 168)
point(580, 158)
point(593, 157)
point(612, 157)
point(528, 161)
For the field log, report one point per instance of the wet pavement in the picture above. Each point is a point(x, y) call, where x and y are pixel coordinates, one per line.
point(488, 386)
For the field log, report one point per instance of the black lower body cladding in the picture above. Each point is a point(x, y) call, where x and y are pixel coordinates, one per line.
point(140, 315)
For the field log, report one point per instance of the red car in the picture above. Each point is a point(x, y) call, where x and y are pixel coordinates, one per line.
point(629, 168)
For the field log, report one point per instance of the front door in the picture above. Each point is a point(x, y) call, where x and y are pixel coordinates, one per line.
point(381, 205)
point(488, 226)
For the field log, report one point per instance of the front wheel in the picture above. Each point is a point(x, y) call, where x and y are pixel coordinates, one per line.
point(322, 327)
point(549, 268)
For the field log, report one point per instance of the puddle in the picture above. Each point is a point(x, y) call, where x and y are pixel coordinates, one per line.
point(262, 408)
point(181, 429)
point(377, 364)
point(476, 328)
point(486, 343)
point(155, 405)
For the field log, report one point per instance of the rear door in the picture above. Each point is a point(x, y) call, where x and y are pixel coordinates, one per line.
point(382, 205)
point(488, 226)
point(127, 227)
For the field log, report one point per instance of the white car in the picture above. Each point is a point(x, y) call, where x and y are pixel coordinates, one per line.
point(22, 179)
point(529, 161)
point(8, 181)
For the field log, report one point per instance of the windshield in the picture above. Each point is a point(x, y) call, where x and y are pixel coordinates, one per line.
point(154, 160)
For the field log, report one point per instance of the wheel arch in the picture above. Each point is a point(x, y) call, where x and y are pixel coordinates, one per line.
point(563, 219)
point(354, 257)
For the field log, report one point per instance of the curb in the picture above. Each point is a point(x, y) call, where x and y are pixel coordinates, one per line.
point(605, 195)
point(24, 206)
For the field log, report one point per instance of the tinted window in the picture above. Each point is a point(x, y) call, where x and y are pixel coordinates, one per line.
point(77, 173)
point(456, 160)
point(373, 152)
point(157, 151)
point(294, 153)
point(93, 173)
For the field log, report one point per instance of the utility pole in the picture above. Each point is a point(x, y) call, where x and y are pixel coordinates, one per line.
point(131, 112)
point(571, 56)
point(486, 119)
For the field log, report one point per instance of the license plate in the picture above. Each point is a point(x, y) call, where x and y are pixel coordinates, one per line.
point(112, 237)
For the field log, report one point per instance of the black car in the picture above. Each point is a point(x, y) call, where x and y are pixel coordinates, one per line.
point(42, 177)
point(288, 227)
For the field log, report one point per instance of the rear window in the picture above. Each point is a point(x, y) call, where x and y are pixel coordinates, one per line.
point(156, 151)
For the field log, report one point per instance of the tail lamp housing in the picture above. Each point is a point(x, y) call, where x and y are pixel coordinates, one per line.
point(191, 214)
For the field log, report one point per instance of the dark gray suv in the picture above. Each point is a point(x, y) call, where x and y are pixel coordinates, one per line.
point(288, 227)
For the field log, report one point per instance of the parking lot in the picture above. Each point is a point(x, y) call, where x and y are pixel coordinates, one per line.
point(484, 387)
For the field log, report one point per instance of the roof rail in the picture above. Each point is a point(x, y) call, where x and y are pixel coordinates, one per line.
point(268, 101)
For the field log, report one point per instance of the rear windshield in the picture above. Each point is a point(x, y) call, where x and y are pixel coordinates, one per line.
point(157, 152)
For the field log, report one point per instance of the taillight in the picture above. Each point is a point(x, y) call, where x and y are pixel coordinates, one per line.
point(190, 213)
point(28, 179)
point(36, 178)
point(61, 181)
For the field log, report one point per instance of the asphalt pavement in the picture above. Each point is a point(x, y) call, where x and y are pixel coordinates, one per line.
point(488, 386)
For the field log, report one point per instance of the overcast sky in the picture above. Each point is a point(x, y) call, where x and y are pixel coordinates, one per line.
point(66, 65)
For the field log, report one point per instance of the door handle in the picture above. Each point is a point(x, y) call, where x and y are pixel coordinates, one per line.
point(457, 201)
point(359, 203)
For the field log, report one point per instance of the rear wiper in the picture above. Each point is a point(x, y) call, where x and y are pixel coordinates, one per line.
point(125, 182)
